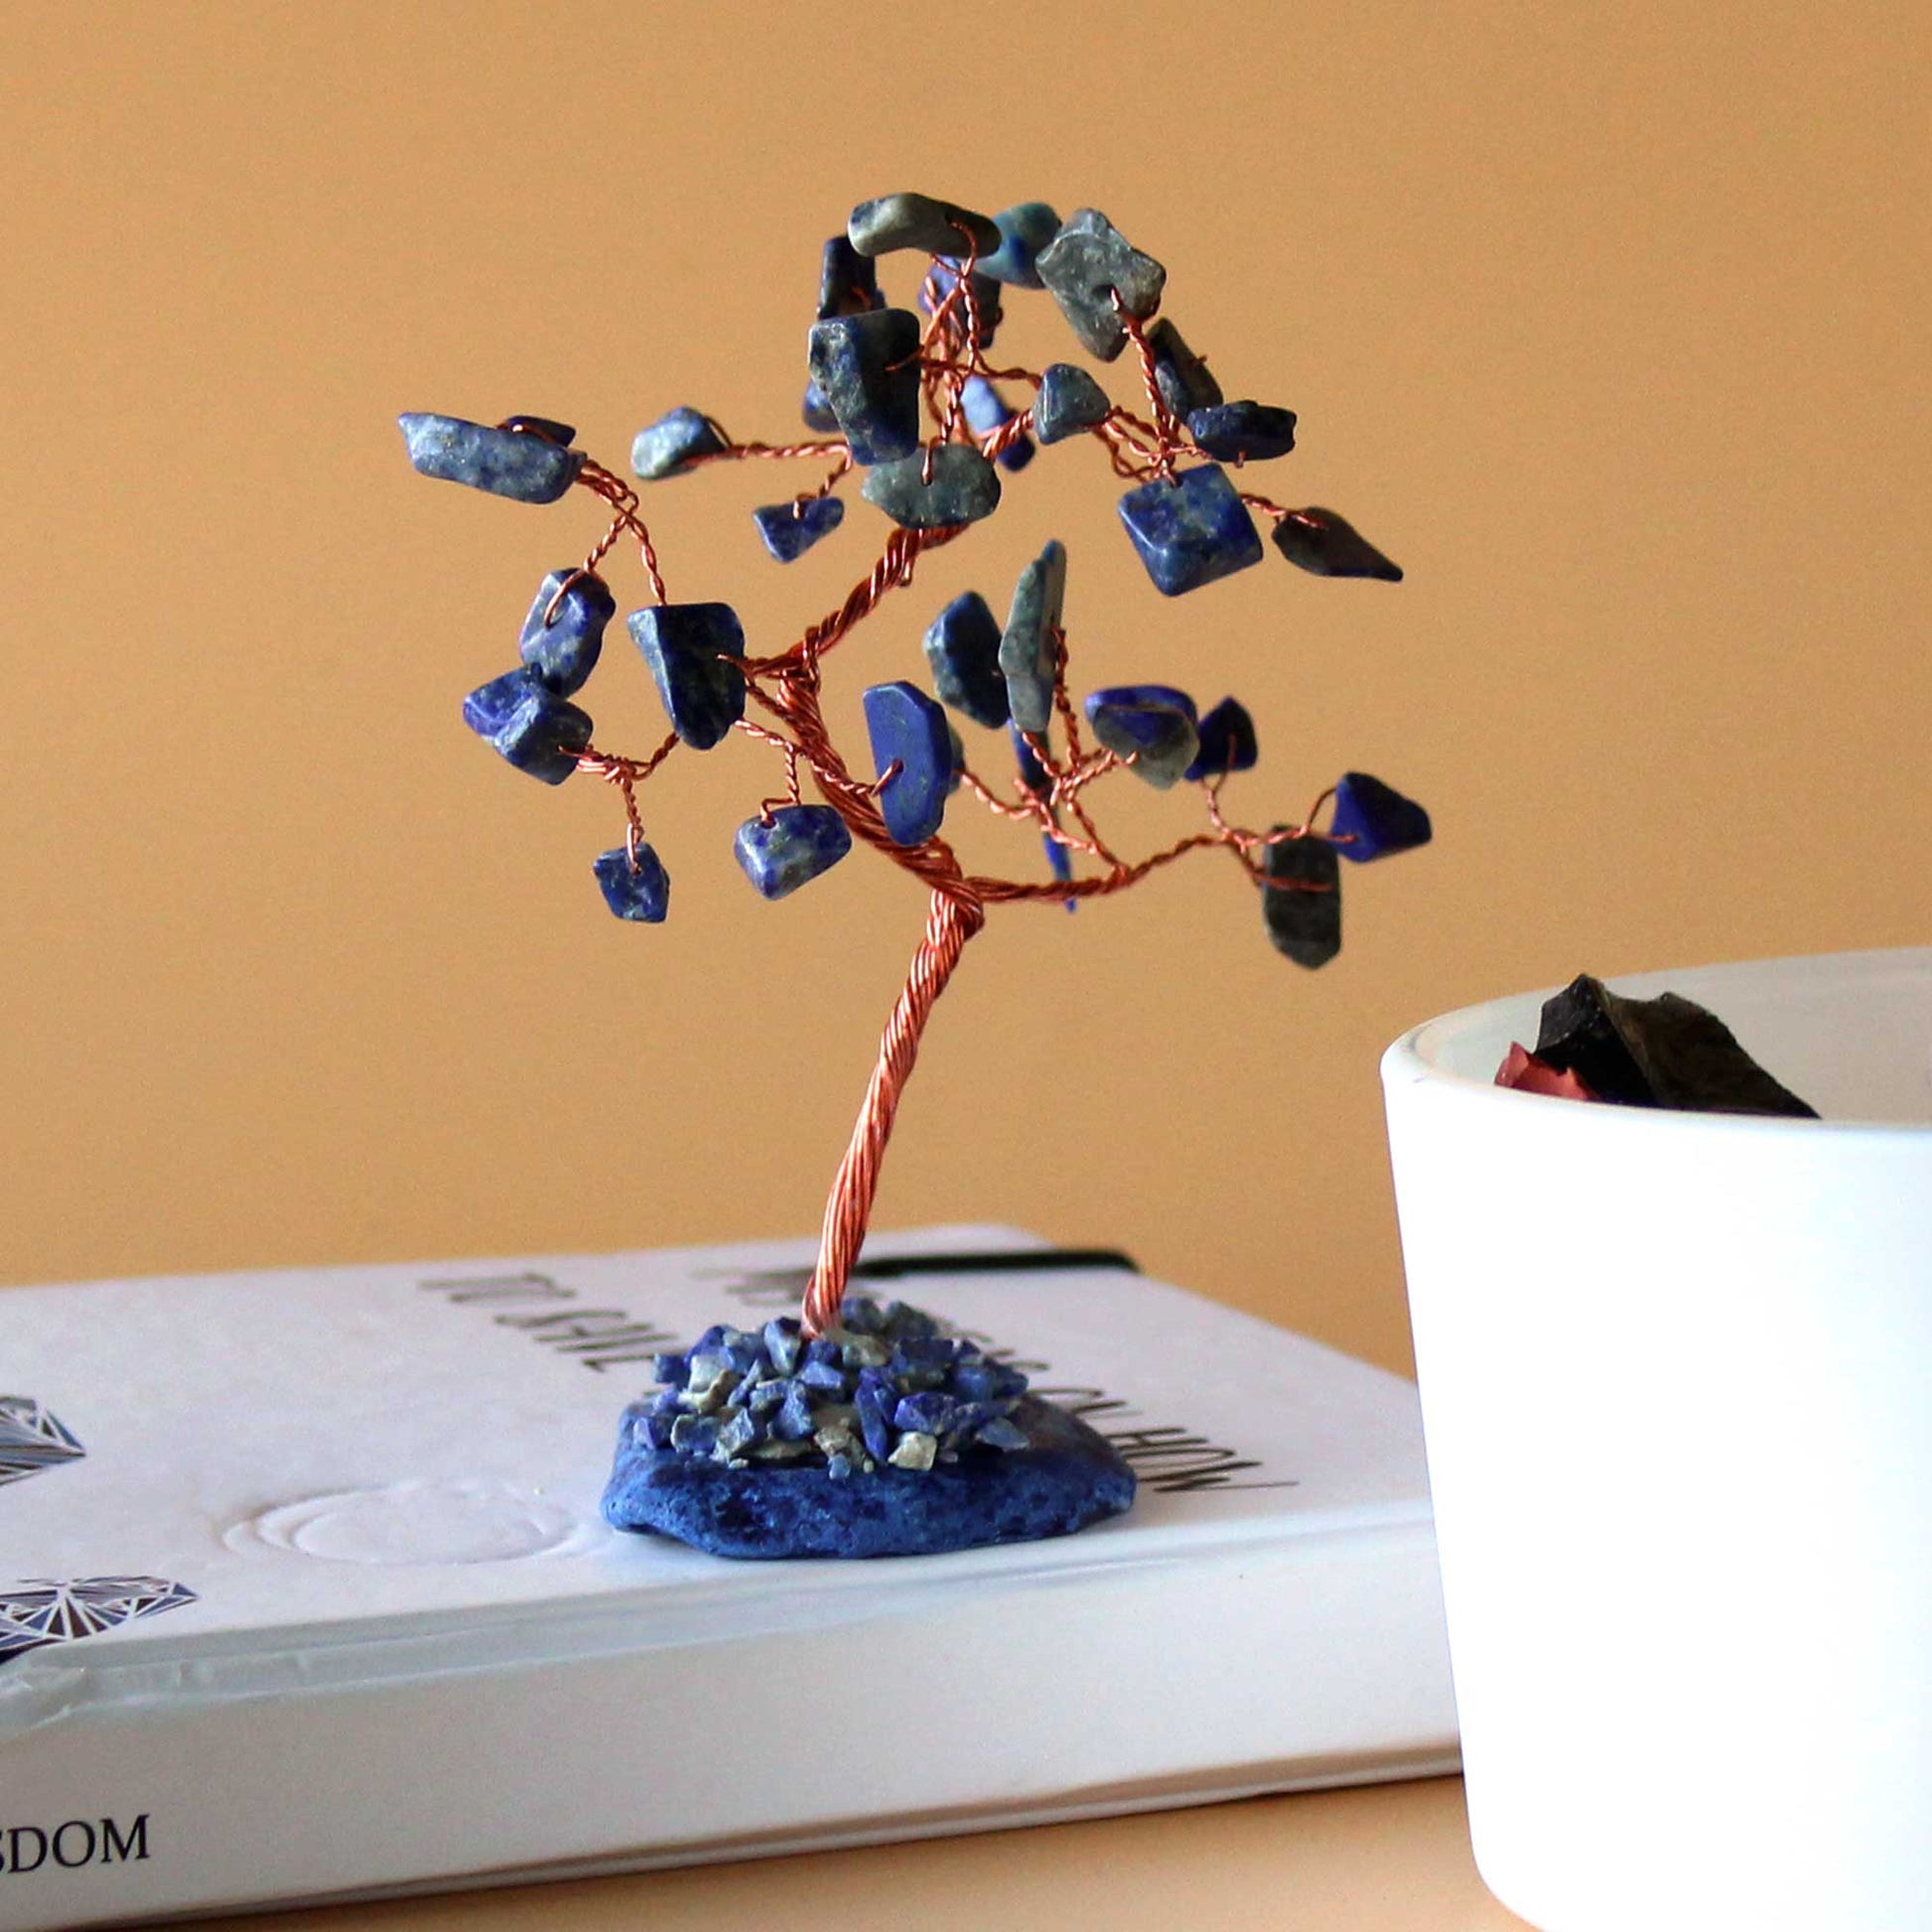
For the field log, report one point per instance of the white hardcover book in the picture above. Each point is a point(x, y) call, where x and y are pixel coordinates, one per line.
point(305, 1594)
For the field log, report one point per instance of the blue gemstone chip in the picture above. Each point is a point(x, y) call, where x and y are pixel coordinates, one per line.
point(564, 652)
point(639, 891)
point(1326, 544)
point(528, 725)
point(503, 461)
point(962, 488)
point(790, 850)
point(673, 445)
point(1069, 401)
point(1183, 380)
point(1029, 650)
point(1190, 531)
point(1153, 725)
point(689, 648)
point(988, 308)
point(1227, 743)
point(1242, 432)
point(908, 730)
point(848, 282)
point(1024, 229)
point(1085, 266)
point(1373, 820)
point(962, 648)
point(790, 529)
point(867, 369)
point(1301, 903)
point(919, 222)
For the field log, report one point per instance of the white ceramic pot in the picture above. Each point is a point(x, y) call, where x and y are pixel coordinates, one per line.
point(1675, 1380)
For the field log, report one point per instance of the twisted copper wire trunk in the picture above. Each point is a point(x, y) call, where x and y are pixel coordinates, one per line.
point(951, 919)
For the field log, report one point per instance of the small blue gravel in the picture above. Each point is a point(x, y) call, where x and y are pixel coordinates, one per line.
point(521, 719)
point(1192, 532)
point(639, 891)
point(564, 652)
point(672, 445)
point(790, 849)
point(503, 461)
point(790, 529)
point(1373, 820)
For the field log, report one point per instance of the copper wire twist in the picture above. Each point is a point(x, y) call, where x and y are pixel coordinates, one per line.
point(951, 919)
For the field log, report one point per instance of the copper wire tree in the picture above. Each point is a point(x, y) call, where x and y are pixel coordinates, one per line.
point(1189, 524)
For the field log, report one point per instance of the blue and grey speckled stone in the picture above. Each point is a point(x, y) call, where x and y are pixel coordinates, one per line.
point(688, 647)
point(1024, 229)
point(1190, 531)
point(1227, 743)
point(1153, 723)
point(564, 653)
point(962, 646)
point(790, 529)
point(896, 221)
point(800, 842)
point(816, 412)
point(528, 725)
point(1326, 543)
point(1069, 401)
point(907, 729)
point(1183, 380)
point(671, 446)
point(1065, 1477)
point(642, 891)
point(1302, 913)
point(506, 463)
point(867, 367)
point(1373, 820)
point(1029, 656)
point(848, 282)
point(987, 411)
point(1085, 260)
point(964, 487)
point(1243, 432)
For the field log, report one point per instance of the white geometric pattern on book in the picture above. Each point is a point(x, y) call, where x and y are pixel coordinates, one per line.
point(41, 1611)
point(31, 1438)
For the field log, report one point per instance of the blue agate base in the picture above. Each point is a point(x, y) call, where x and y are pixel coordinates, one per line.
point(1066, 1476)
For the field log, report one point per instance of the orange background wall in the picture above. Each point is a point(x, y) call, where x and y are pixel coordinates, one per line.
point(1610, 323)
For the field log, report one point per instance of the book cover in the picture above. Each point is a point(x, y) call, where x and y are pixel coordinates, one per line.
point(304, 1591)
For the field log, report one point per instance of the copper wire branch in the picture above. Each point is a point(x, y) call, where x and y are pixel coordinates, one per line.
point(786, 689)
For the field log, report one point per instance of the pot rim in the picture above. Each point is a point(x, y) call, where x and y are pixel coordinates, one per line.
point(1413, 1059)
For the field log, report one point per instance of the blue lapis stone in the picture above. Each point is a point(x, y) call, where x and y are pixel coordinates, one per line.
point(1024, 229)
point(1373, 820)
point(1190, 531)
point(957, 486)
point(1227, 743)
point(1069, 401)
point(848, 282)
point(907, 729)
point(689, 648)
point(896, 221)
point(639, 891)
point(791, 848)
point(564, 652)
point(1242, 432)
point(987, 411)
point(1183, 380)
point(962, 647)
point(988, 308)
point(867, 367)
point(1029, 650)
point(816, 412)
point(528, 725)
point(790, 529)
point(1152, 724)
point(505, 462)
point(1084, 266)
point(1300, 901)
point(673, 445)
point(1327, 544)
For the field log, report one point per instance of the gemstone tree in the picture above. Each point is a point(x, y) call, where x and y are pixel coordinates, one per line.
point(909, 397)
